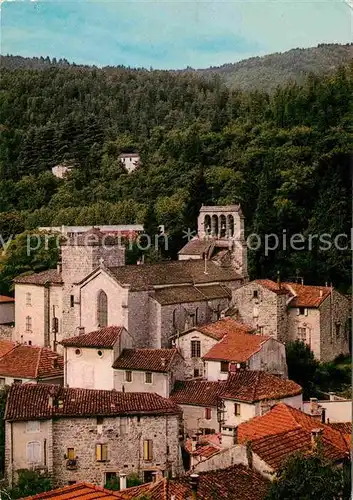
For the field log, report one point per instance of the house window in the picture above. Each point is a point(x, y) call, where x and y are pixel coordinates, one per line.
point(72, 300)
point(224, 366)
point(255, 294)
point(17, 381)
point(71, 454)
point(28, 299)
point(338, 329)
point(78, 352)
point(174, 318)
point(208, 413)
point(195, 349)
point(110, 479)
point(101, 452)
point(192, 319)
point(261, 330)
point(33, 452)
point(148, 450)
point(148, 378)
point(255, 312)
point(196, 372)
point(301, 311)
point(102, 309)
point(196, 316)
point(128, 376)
point(28, 324)
point(33, 426)
point(237, 409)
point(302, 333)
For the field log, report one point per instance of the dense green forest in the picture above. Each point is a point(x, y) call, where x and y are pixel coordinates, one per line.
point(267, 72)
point(285, 156)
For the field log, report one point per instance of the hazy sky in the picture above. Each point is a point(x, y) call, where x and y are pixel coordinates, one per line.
point(168, 34)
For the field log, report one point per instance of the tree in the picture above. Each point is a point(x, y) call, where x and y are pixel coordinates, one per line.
point(30, 482)
point(302, 366)
point(308, 477)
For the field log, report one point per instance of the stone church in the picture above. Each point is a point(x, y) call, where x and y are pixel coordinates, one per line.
point(92, 287)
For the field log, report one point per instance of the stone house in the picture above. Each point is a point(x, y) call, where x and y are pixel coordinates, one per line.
point(148, 370)
point(195, 342)
point(240, 349)
point(7, 310)
point(211, 407)
point(92, 288)
point(21, 364)
point(89, 357)
point(317, 315)
point(130, 161)
point(285, 430)
point(82, 435)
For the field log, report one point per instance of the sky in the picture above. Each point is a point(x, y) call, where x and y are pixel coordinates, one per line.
point(165, 34)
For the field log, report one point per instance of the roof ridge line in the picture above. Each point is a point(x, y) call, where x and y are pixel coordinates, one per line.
point(38, 362)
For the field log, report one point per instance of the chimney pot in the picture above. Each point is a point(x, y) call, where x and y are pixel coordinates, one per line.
point(194, 482)
point(122, 478)
point(163, 362)
point(315, 434)
point(81, 330)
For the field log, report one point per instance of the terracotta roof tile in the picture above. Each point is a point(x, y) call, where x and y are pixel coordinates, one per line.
point(236, 346)
point(273, 286)
point(82, 491)
point(146, 276)
point(234, 483)
point(197, 392)
point(251, 385)
point(245, 385)
point(154, 360)
point(32, 401)
point(4, 299)
point(51, 276)
point(343, 427)
point(218, 329)
point(31, 362)
point(6, 346)
point(105, 337)
point(285, 430)
point(207, 446)
point(307, 295)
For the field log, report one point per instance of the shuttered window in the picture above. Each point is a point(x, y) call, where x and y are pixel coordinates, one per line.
point(148, 449)
point(33, 452)
point(195, 349)
point(101, 452)
point(208, 413)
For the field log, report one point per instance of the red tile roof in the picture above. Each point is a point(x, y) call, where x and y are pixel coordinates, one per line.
point(6, 346)
point(273, 286)
point(343, 427)
point(307, 295)
point(51, 276)
point(218, 329)
point(32, 401)
point(285, 430)
point(234, 483)
point(4, 299)
point(196, 246)
point(236, 346)
point(251, 386)
point(105, 337)
point(83, 491)
point(207, 446)
point(31, 362)
point(197, 392)
point(245, 385)
point(153, 360)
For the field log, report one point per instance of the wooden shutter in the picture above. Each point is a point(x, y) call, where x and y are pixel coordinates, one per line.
point(71, 453)
point(148, 449)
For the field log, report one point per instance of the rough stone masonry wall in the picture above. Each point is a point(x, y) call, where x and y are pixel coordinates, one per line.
point(266, 304)
point(335, 309)
point(124, 437)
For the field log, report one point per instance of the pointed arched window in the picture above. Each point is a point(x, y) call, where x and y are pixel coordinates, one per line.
point(102, 309)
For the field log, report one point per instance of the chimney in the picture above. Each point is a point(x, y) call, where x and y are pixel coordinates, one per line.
point(279, 280)
point(81, 330)
point(314, 406)
point(323, 415)
point(332, 396)
point(122, 478)
point(321, 293)
point(315, 436)
point(302, 281)
point(163, 362)
point(194, 483)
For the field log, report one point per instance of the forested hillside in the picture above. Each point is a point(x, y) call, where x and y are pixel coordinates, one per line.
point(267, 72)
point(284, 156)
